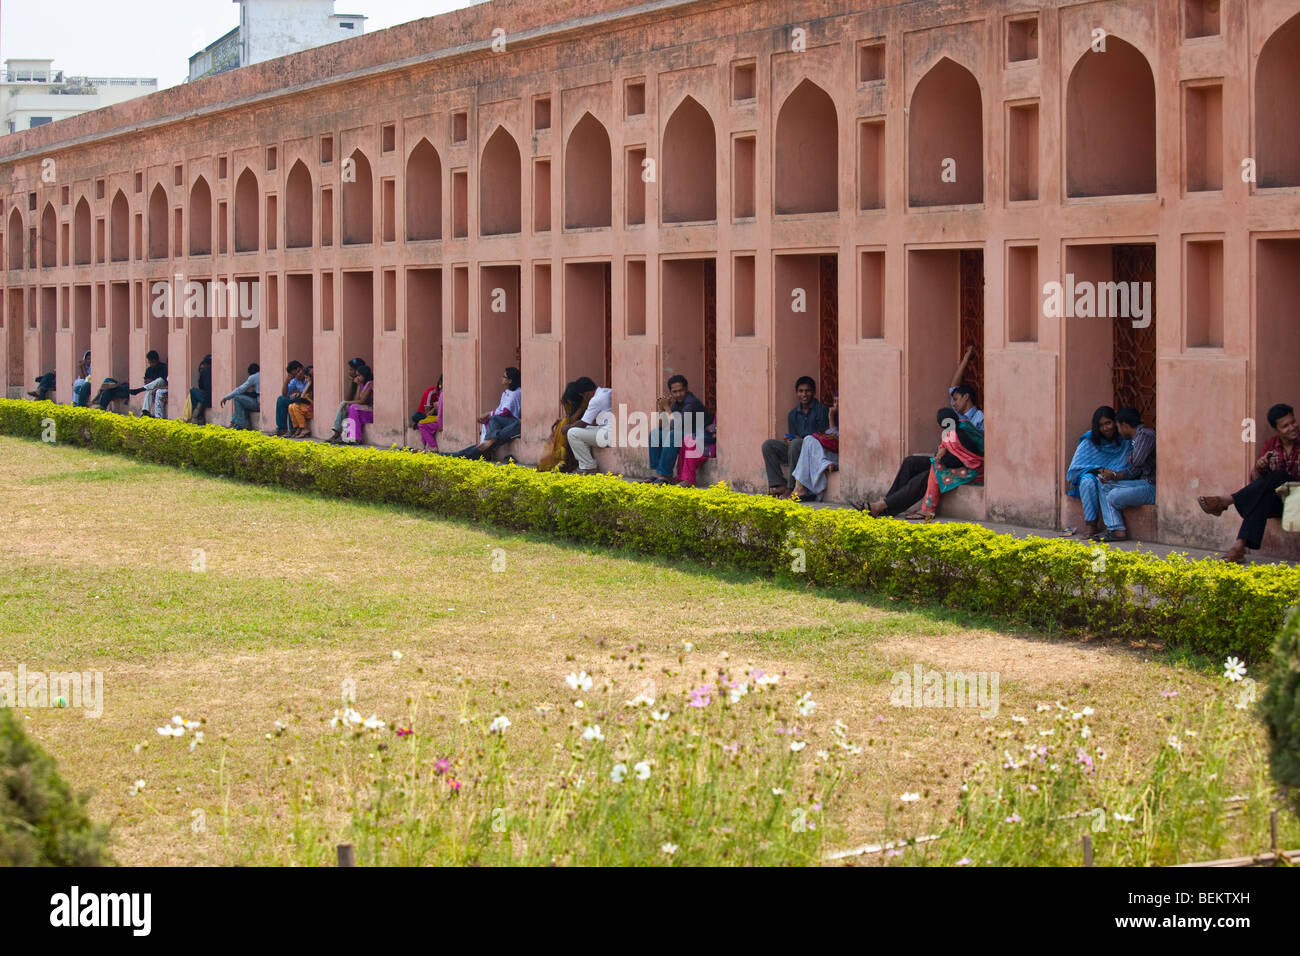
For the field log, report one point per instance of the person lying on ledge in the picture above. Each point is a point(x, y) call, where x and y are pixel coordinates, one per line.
point(501, 425)
point(44, 386)
point(1101, 447)
point(110, 390)
point(959, 459)
point(1259, 500)
point(1133, 485)
point(807, 417)
point(593, 427)
point(677, 415)
point(819, 456)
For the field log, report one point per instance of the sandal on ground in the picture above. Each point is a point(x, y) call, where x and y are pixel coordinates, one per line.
point(1240, 559)
point(778, 491)
point(1109, 536)
point(918, 516)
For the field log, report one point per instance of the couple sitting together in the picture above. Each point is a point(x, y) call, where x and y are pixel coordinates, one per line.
point(586, 411)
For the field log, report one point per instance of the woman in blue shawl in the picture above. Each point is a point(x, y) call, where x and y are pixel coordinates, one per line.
point(1102, 447)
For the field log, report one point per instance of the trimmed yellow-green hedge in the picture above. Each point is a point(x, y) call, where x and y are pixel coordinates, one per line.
point(1207, 607)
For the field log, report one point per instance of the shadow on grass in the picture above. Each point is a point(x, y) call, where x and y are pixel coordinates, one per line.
point(923, 617)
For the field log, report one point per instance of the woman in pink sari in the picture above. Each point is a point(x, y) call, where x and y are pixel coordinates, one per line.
point(431, 423)
point(959, 460)
point(362, 411)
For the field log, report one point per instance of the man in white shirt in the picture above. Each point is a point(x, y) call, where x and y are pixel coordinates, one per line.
point(246, 398)
point(502, 424)
point(593, 427)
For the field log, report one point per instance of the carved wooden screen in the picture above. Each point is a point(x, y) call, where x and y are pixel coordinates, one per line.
point(711, 335)
point(609, 326)
point(829, 327)
point(1134, 359)
point(972, 320)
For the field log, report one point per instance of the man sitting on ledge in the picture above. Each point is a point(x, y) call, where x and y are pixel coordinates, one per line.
point(1259, 500)
point(1135, 484)
point(806, 418)
point(593, 427)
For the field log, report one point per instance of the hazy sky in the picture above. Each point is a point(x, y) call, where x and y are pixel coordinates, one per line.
point(153, 37)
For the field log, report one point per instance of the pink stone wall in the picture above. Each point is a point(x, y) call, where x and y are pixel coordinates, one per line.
point(434, 182)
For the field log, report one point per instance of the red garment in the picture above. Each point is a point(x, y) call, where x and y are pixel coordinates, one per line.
point(1281, 460)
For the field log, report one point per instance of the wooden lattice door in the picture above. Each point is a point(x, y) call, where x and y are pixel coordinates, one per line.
point(711, 335)
point(828, 327)
point(1134, 362)
point(972, 319)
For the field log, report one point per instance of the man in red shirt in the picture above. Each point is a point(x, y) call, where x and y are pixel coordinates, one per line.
point(1259, 500)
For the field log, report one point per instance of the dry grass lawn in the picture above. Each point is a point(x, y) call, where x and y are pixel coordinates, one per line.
point(298, 594)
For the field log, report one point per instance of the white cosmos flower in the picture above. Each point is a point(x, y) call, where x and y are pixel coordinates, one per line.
point(1234, 669)
point(797, 745)
point(178, 720)
point(1123, 817)
point(1017, 719)
point(687, 646)
point(397, 655)
point(909, 797)
point(778, 791)
point(660, 715)
point(642, 770)
point(806, 704)
point(499, 724)
point(1174, 742)
point(135, 788)
point(592, 732)
point(345, 718)
point(580, 681)
point(668, 849)
point(373, 723)
point(618, 773)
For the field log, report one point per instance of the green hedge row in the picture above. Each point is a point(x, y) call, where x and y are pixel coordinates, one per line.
point(1208, 607)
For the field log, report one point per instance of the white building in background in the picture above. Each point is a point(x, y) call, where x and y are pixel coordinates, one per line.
point(33, 93)
point(271, 28)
